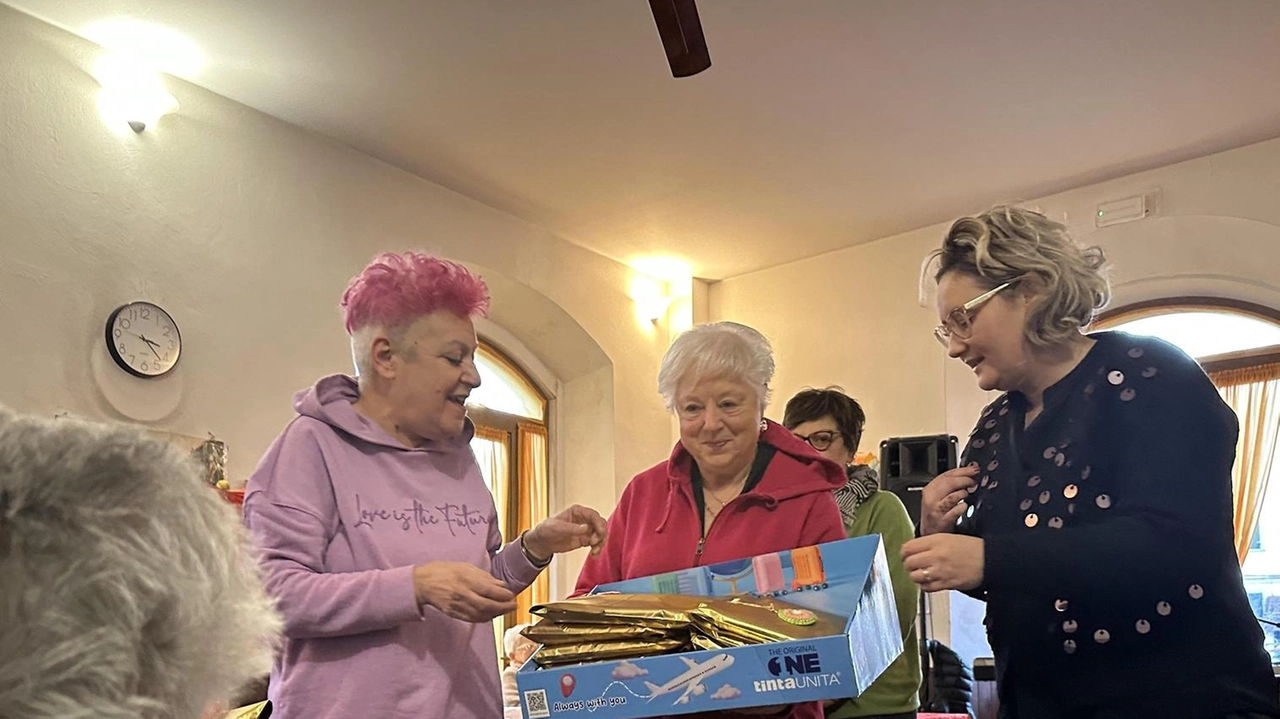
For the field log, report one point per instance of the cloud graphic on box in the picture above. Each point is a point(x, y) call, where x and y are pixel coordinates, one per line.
point(627, 670)
point(726, 692)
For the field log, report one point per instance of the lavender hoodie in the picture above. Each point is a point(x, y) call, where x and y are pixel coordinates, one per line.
point(341, 512)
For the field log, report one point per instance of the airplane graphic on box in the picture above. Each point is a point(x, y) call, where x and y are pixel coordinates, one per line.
point(691, 680)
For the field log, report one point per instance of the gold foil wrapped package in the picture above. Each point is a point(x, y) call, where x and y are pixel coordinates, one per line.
point(555, 633)
point(662, 611)
point(600, 651)
point(703, 641)
point(624, 626)
point(722, 637)
point(760, 620)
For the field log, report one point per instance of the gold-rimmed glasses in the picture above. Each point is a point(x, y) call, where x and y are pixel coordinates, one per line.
point(959, 322)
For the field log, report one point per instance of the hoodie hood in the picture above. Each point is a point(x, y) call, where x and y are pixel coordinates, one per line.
point(330, 401)
point(820, 474)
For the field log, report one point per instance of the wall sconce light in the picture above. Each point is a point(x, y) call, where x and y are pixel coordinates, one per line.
point(657, 284)
point(656, 309)
point(652, 297)
point(131, 93)
point(135, 52)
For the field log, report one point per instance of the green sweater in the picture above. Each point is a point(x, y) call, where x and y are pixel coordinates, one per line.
point(897, 690)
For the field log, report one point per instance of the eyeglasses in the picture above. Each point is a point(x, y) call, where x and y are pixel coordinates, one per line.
point(959, 322)
point(820, 440)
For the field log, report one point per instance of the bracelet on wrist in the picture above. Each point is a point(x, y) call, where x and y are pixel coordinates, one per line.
point(535, 561)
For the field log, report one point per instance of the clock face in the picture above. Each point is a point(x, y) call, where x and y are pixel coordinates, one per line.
point(143, 339)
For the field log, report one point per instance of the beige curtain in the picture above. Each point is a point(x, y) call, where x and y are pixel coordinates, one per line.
point(532, 479)
point(1254, 394)
point(493, 452)
point(492, 448)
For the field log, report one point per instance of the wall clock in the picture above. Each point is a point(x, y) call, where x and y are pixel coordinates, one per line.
point(143, 339)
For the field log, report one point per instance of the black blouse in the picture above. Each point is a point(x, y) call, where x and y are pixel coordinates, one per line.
point(1111, 577)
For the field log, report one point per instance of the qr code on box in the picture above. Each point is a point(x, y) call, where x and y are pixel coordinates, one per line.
point(535, 702)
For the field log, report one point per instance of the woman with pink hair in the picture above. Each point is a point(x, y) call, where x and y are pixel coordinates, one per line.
point(378, 536)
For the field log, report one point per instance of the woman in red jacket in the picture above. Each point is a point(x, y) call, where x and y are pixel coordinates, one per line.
point(736, 485)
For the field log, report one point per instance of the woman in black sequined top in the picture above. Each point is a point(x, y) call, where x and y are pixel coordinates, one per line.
point(1093, 509)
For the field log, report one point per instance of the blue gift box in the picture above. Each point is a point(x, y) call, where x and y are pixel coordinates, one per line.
point(848, 578)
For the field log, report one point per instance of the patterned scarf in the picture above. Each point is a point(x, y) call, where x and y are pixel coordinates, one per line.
point(862, 483)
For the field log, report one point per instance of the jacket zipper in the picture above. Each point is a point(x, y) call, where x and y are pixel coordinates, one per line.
point(702, 541)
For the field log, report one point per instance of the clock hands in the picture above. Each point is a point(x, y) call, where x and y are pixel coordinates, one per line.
point(150, 345)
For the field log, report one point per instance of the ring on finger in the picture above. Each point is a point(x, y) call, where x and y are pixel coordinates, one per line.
point(926, 576)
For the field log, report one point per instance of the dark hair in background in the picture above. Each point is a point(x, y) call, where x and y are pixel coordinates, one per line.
point(813, 404)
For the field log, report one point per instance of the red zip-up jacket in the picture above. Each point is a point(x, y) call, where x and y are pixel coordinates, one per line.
point(655, 527)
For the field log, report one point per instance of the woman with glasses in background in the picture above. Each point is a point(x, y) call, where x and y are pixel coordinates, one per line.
point(831, 422)
point(1093, 506)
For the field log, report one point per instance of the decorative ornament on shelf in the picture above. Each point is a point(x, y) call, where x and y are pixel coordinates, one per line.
point(211, 456)
point(871, 459)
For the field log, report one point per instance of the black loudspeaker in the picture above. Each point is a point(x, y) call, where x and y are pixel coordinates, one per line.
point(907, 464)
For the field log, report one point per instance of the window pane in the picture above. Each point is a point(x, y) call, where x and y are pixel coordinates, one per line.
point(1206, 333)
point(968, 632)
point(504, 389)
point(1262, 566)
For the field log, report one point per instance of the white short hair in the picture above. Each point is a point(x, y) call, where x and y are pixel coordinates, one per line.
point(362, 346)
point(718, 349)
point(127, 585)
point(512, 638)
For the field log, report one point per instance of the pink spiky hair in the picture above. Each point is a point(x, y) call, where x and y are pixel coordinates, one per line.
point(396, 289)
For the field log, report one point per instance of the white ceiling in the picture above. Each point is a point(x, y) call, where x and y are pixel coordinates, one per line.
point(821, 123)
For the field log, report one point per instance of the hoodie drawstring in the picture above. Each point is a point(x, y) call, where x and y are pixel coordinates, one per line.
point(666, 513)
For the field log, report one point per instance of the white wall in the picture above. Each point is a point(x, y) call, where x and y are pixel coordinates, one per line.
point(247, 229)
point(852, 318)
point(848, 318)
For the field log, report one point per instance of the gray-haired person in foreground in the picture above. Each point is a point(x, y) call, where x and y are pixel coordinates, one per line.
point(126, 584)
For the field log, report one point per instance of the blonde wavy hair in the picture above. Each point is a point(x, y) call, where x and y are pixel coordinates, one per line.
point(1012, 244)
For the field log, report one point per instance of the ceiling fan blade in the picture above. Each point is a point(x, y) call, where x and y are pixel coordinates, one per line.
point(681, 33)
